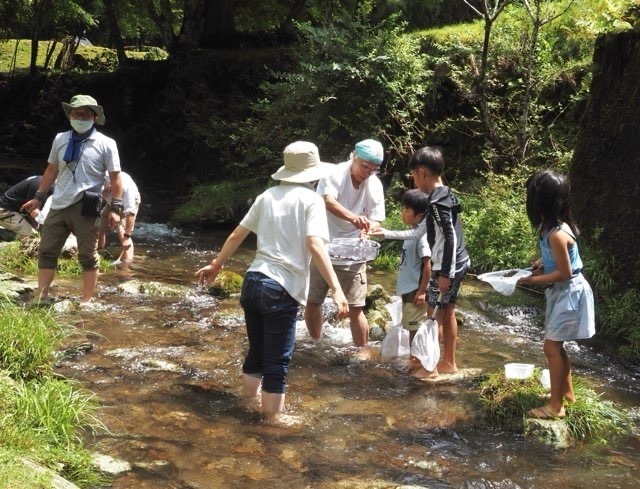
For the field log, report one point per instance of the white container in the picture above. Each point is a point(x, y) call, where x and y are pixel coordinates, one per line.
point(545, 379)
point(518, 370)
point(353, 249)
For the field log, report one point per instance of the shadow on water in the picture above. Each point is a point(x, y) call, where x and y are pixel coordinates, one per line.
point(167, 373)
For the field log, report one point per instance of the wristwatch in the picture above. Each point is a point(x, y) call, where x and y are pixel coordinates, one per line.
point(126, 235)
point(118, 208)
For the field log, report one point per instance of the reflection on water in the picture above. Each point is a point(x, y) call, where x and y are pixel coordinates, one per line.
point(167, 371)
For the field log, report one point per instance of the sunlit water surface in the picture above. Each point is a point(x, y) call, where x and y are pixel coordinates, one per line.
point(167, 372)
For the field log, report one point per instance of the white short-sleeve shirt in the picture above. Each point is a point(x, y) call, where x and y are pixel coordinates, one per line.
point(367, 200)
point(130, 193)
point(413, 252)
point(283, 217)
point(98, 154)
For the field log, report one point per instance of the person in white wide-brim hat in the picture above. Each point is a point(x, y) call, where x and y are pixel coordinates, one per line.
point(291, 226)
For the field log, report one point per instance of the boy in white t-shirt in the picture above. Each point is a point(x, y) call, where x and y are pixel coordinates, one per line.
point(414, 271)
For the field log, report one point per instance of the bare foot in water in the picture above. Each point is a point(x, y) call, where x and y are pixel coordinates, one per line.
point(363, 354)
point(283, 420)
point(447, 368)
point(423, 373)
point(252, 404)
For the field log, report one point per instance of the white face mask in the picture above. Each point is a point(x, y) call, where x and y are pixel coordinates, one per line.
point(81, 126)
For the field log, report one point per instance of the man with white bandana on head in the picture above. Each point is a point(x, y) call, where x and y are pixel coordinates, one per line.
point(77, 163)
point(354, 199)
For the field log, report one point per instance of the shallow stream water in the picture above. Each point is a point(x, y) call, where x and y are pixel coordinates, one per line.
point(167, 372)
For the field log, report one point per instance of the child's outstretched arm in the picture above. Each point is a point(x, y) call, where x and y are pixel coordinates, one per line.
point(403, 234)
point(560, 243)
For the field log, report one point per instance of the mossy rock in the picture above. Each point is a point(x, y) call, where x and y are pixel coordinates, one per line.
point(226, 284)
point(375, 310)
point(12, 287)
point(155, 289)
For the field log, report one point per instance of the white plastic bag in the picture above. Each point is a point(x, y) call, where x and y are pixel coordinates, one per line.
point(395, 309)
point(396, 343)
point(425, 345)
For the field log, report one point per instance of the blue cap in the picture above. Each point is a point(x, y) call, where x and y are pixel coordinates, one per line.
point(370, 150)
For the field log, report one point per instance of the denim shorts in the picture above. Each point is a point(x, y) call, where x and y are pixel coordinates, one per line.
point(451, 295)
point(270, 315)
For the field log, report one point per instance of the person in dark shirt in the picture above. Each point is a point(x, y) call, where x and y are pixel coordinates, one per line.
point(449, 255)
point(11, 218)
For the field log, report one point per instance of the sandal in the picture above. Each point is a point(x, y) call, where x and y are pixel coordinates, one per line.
point(545, 412)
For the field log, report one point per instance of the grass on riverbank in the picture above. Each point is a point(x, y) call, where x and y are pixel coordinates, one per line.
point(217, 203)
point(42, 416)
point(13, 257)
point(589, 418)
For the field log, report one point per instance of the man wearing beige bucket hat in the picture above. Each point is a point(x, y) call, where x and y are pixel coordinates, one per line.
point(77, 163)
point(291, 226)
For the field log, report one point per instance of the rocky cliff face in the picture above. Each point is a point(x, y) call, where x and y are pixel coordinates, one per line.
point(605, 172)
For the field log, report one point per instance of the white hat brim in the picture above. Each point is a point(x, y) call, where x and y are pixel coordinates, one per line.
point(318, 172)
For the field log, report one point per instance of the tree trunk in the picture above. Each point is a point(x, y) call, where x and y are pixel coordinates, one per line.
point(40, 8)
point(219, 28)
point(64, 60)
point(116, 35)
point(50, 50)
point(604, 171)
point(192, 22)
point(208, 23)
point(163, 19)
point(286, 28)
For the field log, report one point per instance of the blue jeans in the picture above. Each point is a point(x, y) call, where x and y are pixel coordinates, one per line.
point(270, 313)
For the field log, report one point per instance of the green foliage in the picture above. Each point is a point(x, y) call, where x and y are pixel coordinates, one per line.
point(496, 227)
point(28, 341)
point(616, 312)
point(42, 422)
point(22, 54)
point(560, 74)
point(14, 257)
point(218, 203)
point(589, 418)
point(597, 265)
point(592, 418)
point(14, 474)
point(391, 249)
point(507, 400)
point(617, 317)
point(42, 416)
point(54, 409)
point(389, 256)
point(349, 81)
point(153, 53)
point(92, 58)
